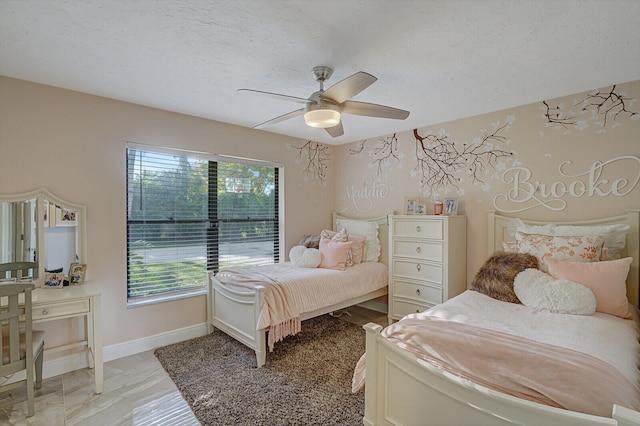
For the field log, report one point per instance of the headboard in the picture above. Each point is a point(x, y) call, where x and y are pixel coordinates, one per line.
point(498, 232)
point(383, 232)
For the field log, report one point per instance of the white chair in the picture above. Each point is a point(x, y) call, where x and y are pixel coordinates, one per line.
point(22, 349)
point(16, 271)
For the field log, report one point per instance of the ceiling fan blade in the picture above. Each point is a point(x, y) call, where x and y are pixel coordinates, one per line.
point(349, 87)
point(281, 118)
point(336, 130)
point(374, 110)
point(280, 96)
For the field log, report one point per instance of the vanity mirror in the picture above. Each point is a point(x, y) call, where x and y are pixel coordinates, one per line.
point(39, 231)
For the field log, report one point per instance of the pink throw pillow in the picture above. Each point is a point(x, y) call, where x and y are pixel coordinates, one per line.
point(607, 281)
point(357, 248)
point(335, 254)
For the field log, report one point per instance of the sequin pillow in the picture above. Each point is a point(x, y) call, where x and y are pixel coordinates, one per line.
point(572, 248)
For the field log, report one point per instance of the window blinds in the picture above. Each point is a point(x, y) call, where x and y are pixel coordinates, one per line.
point(191, 213)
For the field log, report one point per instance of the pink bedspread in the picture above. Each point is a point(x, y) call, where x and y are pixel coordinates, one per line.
point(540, 372)
point(291, 291)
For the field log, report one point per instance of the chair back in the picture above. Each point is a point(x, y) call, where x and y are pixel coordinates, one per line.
point(17, 270)
point(13, 354)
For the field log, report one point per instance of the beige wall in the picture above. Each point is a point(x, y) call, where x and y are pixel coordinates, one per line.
point(74, 144)
point(382, 172)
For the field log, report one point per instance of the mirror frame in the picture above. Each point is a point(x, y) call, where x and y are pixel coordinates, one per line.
point(40, 195)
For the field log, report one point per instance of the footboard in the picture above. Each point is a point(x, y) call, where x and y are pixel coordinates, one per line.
point(236, 313)
point(403, 390)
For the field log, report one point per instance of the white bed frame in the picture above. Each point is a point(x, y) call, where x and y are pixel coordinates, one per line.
point(403, 390)
point(236, 313)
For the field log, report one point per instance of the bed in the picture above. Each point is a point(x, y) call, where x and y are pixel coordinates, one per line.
point(240, 312)
point(403, 389)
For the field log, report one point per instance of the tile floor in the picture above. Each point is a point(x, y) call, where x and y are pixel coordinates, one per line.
point(137, 391)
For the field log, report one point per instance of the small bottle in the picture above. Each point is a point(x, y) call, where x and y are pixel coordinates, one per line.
point(437, 207)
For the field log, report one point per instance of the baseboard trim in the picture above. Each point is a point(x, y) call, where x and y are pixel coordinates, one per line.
point(67, 363)
point(132, 347)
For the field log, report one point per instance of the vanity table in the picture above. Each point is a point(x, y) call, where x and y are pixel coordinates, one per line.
point(39, 228)
point(69, 302)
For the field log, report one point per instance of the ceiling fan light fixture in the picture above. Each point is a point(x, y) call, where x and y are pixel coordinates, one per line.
point(322, 118)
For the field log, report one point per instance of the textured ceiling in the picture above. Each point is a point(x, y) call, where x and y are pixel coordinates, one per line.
point(441, 60)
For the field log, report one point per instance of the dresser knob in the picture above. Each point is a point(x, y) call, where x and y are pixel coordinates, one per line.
point(418, 291)
point(418, 228)
point(418, 266)
point(45, 312)
point(418, 249)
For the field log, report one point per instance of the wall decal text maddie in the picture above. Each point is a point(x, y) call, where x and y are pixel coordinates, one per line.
point(526, 194)
point(362, 198)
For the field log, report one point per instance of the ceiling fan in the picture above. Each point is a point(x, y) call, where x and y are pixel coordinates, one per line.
point(323, 108)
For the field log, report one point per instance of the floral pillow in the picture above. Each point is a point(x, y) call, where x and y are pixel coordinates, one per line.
point(573, 248)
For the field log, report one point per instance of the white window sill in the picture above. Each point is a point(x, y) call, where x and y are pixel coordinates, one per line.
point(161, 298)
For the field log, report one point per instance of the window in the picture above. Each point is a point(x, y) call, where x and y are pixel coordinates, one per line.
point(190, 213)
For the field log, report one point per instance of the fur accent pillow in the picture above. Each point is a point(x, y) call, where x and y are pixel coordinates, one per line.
point(305, 257)
point(310, 241)
point(495, 277)
point(539, 290)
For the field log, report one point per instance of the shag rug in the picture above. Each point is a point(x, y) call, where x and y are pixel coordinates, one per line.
point(305, 381)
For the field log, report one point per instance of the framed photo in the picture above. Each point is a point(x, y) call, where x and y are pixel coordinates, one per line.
point(64, 217)
point(53, 280)
point(451, 206)
point(410, 205)
point(77, 271)
point(421, 208)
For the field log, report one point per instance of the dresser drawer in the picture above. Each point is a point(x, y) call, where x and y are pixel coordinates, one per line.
point(423, 271)
point(426, 250)
point(421, 293)
point(61, 310)
point(418, 228)
point(401, 308)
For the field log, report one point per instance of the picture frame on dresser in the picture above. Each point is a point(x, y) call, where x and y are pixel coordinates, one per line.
point(77, 272)
point(451, 206)
point(410, 205)
point(53, 280)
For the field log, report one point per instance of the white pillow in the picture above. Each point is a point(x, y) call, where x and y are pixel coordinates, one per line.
point(369, 229)
point(305, 257)
point(614, 235)
point(539, 290)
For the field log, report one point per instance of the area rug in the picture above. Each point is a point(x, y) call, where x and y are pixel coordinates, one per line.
point(306, 379)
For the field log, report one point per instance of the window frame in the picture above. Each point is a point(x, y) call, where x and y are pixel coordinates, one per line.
point(212, 260)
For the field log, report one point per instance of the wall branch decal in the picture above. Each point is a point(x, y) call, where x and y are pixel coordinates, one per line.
point(385, 150)
point(314, 156)
point(603, 105)
point(607, 104)
point(441, 161)
point(554, 115)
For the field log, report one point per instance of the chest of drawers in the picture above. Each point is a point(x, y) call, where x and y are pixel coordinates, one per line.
point(427, 262)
